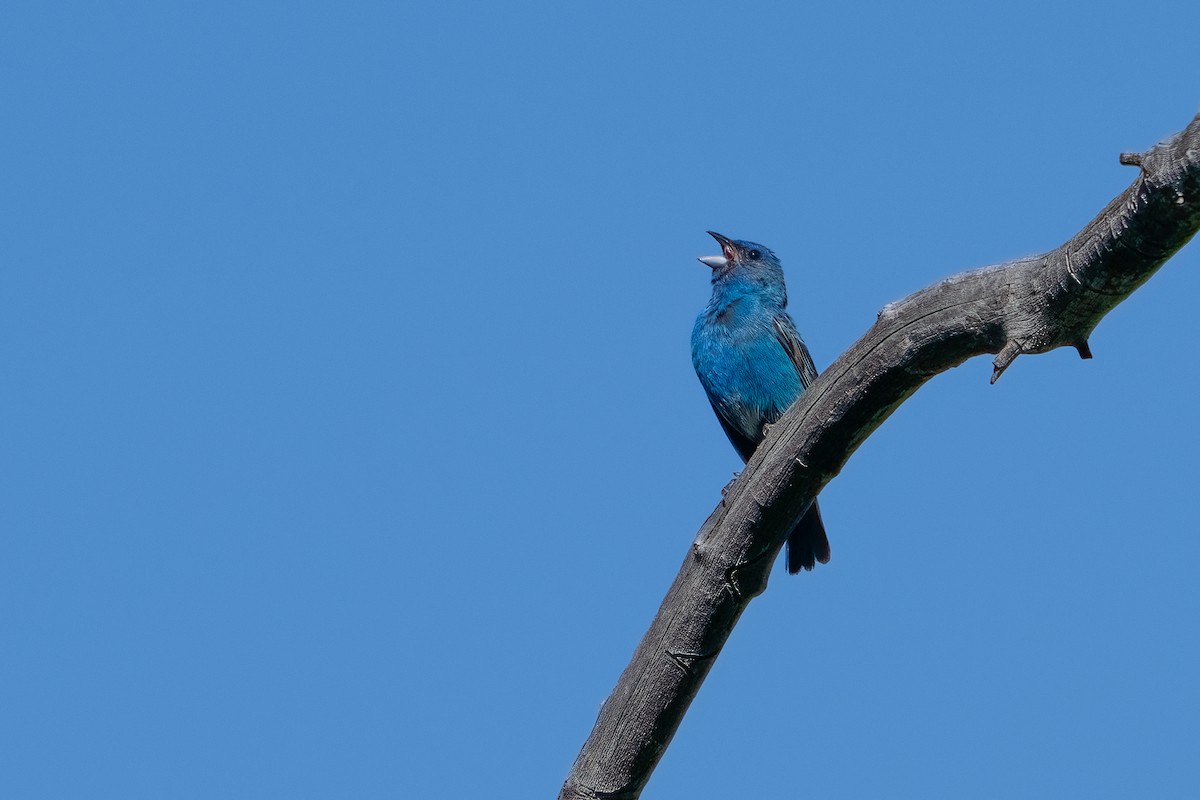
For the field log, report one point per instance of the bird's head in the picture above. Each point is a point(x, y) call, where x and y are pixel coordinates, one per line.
point(745, 260)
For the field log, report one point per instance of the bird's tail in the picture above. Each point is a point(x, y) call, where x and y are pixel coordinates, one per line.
point(807, 543)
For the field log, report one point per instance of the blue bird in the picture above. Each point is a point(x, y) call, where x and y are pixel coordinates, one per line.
point(753, 364)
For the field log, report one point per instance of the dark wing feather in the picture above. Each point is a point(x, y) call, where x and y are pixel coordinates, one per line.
point(789, 337)
point(808, 543)
point(743, 444)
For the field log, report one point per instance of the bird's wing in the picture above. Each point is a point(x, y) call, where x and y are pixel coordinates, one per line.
point(793, 345)
point(740, 441)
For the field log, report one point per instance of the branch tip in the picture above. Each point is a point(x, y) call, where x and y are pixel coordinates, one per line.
point(1131, 159)
point(1085, 350)
point(1006, 356)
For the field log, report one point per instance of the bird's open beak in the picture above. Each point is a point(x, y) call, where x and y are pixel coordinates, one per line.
point(716, 262)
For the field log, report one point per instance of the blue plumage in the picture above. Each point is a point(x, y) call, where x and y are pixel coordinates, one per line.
point(753, 364)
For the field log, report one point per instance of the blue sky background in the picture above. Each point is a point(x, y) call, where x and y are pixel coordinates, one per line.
point(351, 437)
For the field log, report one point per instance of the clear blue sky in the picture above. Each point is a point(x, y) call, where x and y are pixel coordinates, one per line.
point(351, 437)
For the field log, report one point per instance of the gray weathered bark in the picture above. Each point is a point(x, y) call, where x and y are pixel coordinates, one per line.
point(1027, 306)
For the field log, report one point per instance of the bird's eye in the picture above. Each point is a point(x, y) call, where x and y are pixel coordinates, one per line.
point(754, 255)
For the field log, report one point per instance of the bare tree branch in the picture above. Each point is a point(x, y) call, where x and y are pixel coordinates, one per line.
point(1031, 305)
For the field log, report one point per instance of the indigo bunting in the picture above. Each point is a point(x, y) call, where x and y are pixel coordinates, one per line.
point(753, 364)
